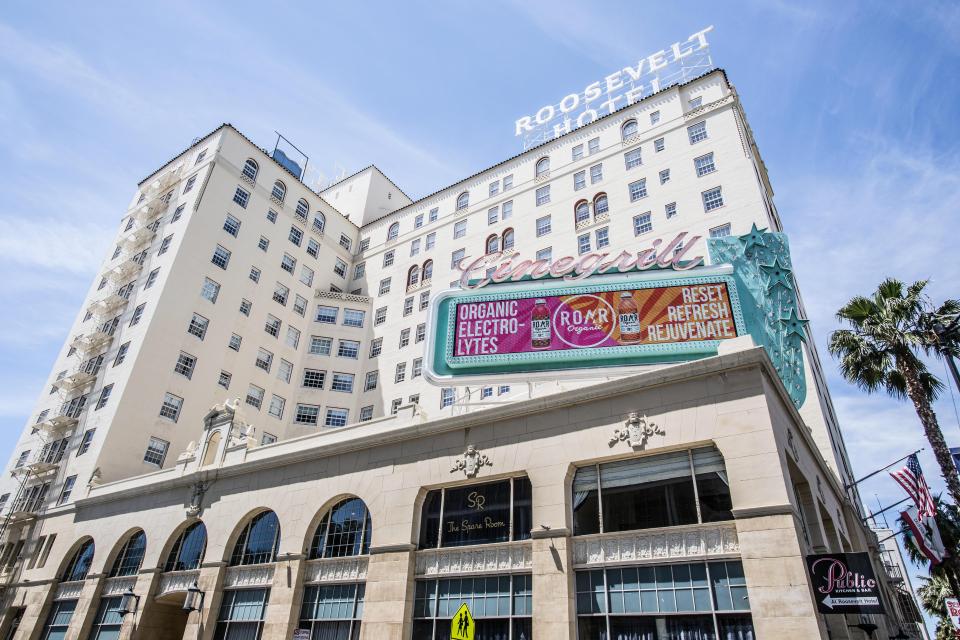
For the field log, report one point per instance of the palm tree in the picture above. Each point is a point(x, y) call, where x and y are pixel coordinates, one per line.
point(933, 594)
point(879, 352)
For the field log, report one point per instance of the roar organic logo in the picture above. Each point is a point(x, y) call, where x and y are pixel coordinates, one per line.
point(584, 321)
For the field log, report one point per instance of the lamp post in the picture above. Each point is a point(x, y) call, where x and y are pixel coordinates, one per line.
point(194, 599)
point(129, 602)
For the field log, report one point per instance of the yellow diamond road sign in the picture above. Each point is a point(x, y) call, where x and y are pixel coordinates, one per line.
point(462, 626)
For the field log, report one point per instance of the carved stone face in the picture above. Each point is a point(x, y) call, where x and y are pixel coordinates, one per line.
point(471, 450)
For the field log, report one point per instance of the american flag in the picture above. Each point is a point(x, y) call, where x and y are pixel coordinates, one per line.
point(910, 477)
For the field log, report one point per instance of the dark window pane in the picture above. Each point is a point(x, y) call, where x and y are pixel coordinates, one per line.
point(735, 627)
point(715, 502)
point(430, 521)
point(664, 503)
point(522, 511)
point(586, 513)
point(476, 515)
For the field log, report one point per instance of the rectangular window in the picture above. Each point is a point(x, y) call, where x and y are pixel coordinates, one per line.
point(272, 325)
point(434, 213)
point(456, 257)
point(234, 342)
point(300, 305)
point(642, 224)
point(264, 359)
point(583, 244)
point(431, 241)
point(424, 300)
point(255, 396)
point(404, 338)
point(353, 318)
point(276, 407)
point(221, 257)
point(345, 242)
point(460, 229)
point(293, 337)
point(384, 286)
point(342, 382)
point(720, 232)
point(638, 189)
point(401, 372)
point(380, 316)
point(593, 145)
point(704, 164)
point(224, 379)
point(285, 370)
point(665, 176)
point(603, 237)
point(306, 275)
point(336, 417)
point(447, 397)
point(395, 406)
point(654, 117)
point(156, 451)
point(255, 274)
point(327, 315)
point(241, 197)
point(659, 145)
point(359, 270)
point(288, 263)
point(185, 365)
point(177, 213)
point(508, 182)
point(543, 226)
point(506, 210)
point(388, 258)
point(407, 306)
point(493, 215)
point(712, 199)
point(415, 247)
point(494, 188)
point(271, 216)
point(421, 333)
point(307, 414)
point(340, 268)
point(314, 378)
point(545, 254)
point(313, 248)
point(366, 413)
point(376, 346)
point(104, 397)
point(418, 221)
point(210, 290)
point(670, 209)
point(695, 102)
point(632, 158)
point(371, 381)
point(697, 132)
point(121, 353)
point(348, 349)
point(231, 225)
point(296, 235)
point(577, 152)
point(596, 173)
point(543, 195)
point(417, 369)
point(170, 409)
point(263, 244)
point(320, 345)
point(151, 278)
point(267, 438)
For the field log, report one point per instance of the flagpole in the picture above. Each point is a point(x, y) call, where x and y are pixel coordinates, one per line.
point(894, 535)
point(873, 516)
point(870, 475)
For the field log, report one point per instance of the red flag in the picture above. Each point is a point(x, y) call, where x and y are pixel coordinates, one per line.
point(910, 477)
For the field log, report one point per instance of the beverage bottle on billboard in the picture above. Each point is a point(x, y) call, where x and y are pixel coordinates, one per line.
point(629, 319)
point(540, 334)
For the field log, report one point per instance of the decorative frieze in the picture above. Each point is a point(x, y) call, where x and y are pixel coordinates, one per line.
point(253, 575)
point(337, 569)
point(492, 558)
point(116, 586)
point(178, 581)
point(69, 590)
point(682, 543)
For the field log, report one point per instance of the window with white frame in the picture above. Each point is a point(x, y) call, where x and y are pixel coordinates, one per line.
point(543, 226)
point(434, 214)
point(417, 368)
point(307, 414)
point(642, 224)
point(493, 188)
point(421, 332)
point(198, 326)
point(342, 382)
point(366, 413)
point(704, 164)
point(629, 130)
point(313, 248)
point(415, 247)
point(463, 200)
point(493, 215)
point(459, 229)
point(276, 407)
point(388, 258)
point(424, 300)
point(288, 263)
point(431, 241)
point(632, 158)
point(327, 315)
point(384, 286)
point(255, 396)
point(593, 145)
point(401, 372)
point(543, 195)
point(359, 270)
point(345, 241)
point(285, 370)
point(665, 176)
point(376, 346)
point(340, 268)
point(353, 318)
point(404, 338)
point(670, 209)
point(293, 337)
point(577, 152)
point(185, 364)
point(603, 237)
point(720, 232)
point(697, 132)
point(447, 397)
point(300, 305)
point(456, 257)
point(234, 342)
point(371, 381)
point(583, 244)
point(380, 316)
point(659, 145)
point(241, 197)
point(314, 378)
point(638, 189)
point(395, 405)
point(170, 408)
point(407, 306)
point(272, 325)
point(348, 349)
point(712, 199)
point(296, 235)
point(596, 173)
point(336, 417)
point(156, 451)
point(224, 379)
point(654, 117)
point(545, 254)
point(210, 290)
point(264, 359)
point(231, 225)
point(320, 345)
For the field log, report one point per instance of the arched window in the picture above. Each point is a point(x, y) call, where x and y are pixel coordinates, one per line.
point(543, 166)
point(413, 275)
point(427, 270)
point(493, 243)
point(629, 129)
point(130, 557)
point(343, 531)
point(600, 204)
point(507, 242)
point(319, 222)
point(258, 541)
point(250, 169)
point(279, 190)
point(302, 209)
point(463, 200)
point(79, 564)
point(581, 211)
point(393, 231)
point(188, 550)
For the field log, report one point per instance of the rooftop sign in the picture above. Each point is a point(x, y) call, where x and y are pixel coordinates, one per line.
point(678, 62)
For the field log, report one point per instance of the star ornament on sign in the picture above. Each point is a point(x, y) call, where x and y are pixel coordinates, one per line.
point(753, 239)
point(794, 325)
point(777, 275)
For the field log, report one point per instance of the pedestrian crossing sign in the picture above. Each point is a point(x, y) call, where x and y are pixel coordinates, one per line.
point(462, 626)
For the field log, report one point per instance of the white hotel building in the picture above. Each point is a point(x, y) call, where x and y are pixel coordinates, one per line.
point(240, 406)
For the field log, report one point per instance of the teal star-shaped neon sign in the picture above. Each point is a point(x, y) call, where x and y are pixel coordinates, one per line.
point(777, 275)
point(753, 239)
point(794, 324)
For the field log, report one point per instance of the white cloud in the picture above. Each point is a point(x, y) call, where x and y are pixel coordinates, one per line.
point(72, 247)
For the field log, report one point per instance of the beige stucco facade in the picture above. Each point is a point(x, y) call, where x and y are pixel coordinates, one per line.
point(777, 481)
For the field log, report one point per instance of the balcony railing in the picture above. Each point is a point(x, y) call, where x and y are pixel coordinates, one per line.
point(422, 284)
point(173, 581)
point(656, 545)
point(344, 297)
point(107, 306)
point(93, 341)
point(251, 575)
point(337, 569)
point(147, 213)
point(137, 239)
point(75, 381)
point(54, 427)
point(123, 272)
point(487, 558)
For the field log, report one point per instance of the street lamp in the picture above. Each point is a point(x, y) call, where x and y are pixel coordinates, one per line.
point(129, 602)
point(194, 599)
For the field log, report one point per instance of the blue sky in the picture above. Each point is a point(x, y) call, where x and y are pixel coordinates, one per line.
point(854, 107)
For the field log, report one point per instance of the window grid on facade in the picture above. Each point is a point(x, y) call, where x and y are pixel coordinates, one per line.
point(642, 224)
point(185, 364)
point(720, 232)
point(638, 190)
point(348, 349)
point(241, 197)
point(170, 408)
point(704, 164)
point(697, 132)
point(254, 396)
point(712, 199)
point(314, 378)
point(156, 451)
point(307, 414)
point(336, 417)
point(342, 382)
